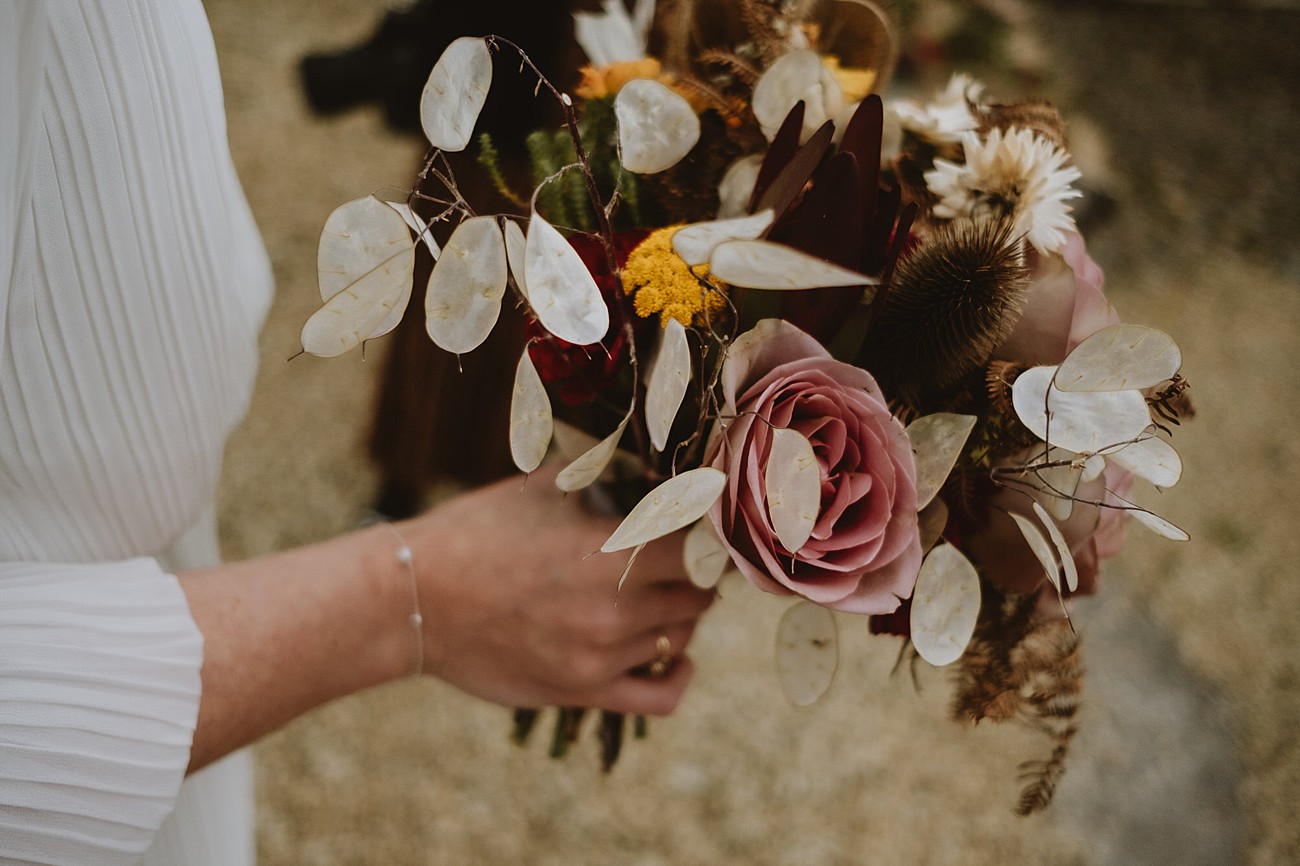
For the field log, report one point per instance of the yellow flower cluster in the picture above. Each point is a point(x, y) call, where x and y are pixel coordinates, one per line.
point(599, 82)
point(607, 81)
point(660, 282)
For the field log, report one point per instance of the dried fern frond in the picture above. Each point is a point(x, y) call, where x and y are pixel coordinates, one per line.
point(767, 26)
point(1054, 673)
point(1043, 777)
point(1019, 667)
point(988, 679)
point(731, 64)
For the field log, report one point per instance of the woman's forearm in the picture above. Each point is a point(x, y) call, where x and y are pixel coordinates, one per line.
point(288, 632)
point(516, 608)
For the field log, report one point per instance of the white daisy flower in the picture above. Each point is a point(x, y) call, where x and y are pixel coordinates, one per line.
point(1017, 174)
point(945, 119)
point(614, 36)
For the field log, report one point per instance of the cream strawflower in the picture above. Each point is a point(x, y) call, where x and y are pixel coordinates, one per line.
point(614, 36)
point(945, 119)
point(1017, 174)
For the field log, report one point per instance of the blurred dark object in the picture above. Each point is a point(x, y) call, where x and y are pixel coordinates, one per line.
point(390, 68)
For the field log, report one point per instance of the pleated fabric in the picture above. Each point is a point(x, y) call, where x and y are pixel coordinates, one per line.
point(132, 286)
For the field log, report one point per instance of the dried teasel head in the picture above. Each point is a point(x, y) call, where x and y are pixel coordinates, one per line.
point(951, 302)
point(1038, 116)
point(998, 379)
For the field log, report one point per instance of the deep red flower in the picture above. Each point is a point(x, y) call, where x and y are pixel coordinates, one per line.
point(574, 374)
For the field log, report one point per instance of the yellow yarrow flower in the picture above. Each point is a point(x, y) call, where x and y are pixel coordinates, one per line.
point(660, 282)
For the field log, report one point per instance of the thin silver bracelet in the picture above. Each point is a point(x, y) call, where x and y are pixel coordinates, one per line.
point(404, 556)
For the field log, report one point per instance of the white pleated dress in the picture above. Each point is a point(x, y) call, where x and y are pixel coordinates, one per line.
point(132, 286)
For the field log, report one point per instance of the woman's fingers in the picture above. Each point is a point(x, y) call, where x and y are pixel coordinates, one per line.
point(641, 695)
point(645, 648)
point(663, 603)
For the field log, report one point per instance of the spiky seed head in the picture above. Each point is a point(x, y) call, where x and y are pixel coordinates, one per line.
point(952, 302)
point(1039, 116)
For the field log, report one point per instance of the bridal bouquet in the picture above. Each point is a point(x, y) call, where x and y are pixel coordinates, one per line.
point(854, 347)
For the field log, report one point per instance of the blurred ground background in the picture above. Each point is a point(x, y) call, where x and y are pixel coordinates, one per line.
point(1190, 751)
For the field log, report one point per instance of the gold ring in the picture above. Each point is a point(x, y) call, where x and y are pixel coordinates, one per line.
point(663, 660)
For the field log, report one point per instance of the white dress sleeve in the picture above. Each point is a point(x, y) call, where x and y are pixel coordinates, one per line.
point(128, 345)
point(99, 694)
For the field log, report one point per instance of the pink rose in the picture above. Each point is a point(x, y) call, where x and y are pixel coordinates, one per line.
point(864, 552)
point(1064, 305)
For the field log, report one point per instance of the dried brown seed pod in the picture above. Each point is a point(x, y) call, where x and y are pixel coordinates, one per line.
point(952, 301)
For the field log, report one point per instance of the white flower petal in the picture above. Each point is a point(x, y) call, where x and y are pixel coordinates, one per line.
point(695, 243)
point(1015, 168)
point(807, 652)
point(455, 92)
point(467, 285)
point(1120, 358)
point(530, 417)
point(1083, 422)
point(677, 503)
point(656, 127)
point(756, 264)
point(613, 36)
point(945, 605)
point(667, 383)
point(561, 290)
point(793, 483)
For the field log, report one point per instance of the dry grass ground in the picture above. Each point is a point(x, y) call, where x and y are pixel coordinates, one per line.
point(1190, 753)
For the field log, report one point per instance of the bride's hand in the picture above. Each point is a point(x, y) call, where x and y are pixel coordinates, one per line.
point(519, 609)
